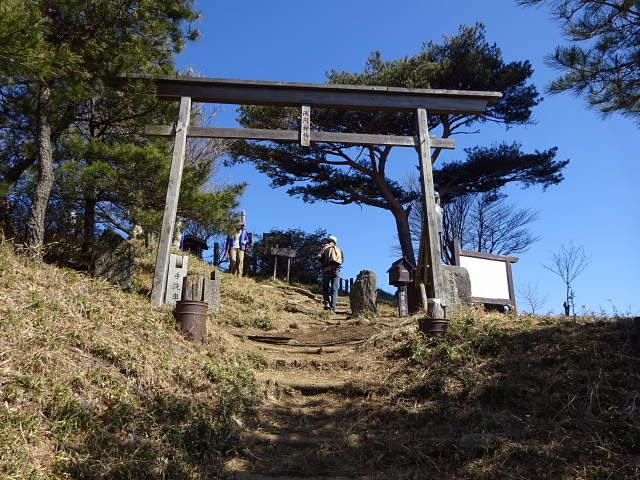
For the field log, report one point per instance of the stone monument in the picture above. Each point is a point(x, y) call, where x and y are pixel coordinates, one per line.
point(457, 286)
point(364, 294)
point(114, 259)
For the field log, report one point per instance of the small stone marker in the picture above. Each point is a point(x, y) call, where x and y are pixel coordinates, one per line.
point(177, 271)
point(212, 291)
point(364, 294)
point(114, 259)
point(457, 286)
point(471, 441)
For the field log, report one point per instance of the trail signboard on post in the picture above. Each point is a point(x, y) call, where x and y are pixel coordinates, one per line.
point(287, 253)
point(490, 274)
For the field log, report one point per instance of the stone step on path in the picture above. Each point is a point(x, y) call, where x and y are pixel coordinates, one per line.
point(308, 425)
point(308, 386)
point(257, 476)
point(302, 436)
point(254, 476)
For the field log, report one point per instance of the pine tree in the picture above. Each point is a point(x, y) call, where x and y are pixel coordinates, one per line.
point(342, 174)
point(602, 65)
point(78, 45)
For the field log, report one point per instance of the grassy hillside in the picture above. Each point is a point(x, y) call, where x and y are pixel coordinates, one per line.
point(529, 397)
point(96, 383)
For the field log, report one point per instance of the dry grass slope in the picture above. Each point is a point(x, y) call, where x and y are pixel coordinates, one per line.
point(95, 383)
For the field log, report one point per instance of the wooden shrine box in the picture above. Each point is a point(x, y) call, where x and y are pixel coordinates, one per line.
point(401, 272)
point(194, 245)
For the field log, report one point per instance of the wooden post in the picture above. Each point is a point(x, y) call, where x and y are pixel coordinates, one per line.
point(288, 267)
point(193, 288)
point(287, 253)
point(171, 203)
point(275, 264)
point(429, 263)
point(216, 254)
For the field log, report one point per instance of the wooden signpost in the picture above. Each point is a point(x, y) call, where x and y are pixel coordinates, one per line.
point(287, 253)
point(305, 95)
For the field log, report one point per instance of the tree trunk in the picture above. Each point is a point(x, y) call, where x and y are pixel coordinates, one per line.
point(403, 228)
point(400, 214)
point(88, 227)
point(404, 233)
point(36, 219)
point(414, 298)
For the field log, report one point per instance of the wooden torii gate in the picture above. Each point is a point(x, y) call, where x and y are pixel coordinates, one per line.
point(307, 96)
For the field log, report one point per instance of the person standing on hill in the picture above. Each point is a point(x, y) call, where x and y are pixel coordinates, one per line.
point(331, 258)
point(236, 246)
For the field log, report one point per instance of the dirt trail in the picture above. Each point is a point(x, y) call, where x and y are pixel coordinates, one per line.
point(322, 413)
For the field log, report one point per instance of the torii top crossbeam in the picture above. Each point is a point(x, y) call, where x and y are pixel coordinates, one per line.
point(321, 95)
point(307, 96)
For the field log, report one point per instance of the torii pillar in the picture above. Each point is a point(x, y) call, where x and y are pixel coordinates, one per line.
point(428, 279)
point(171, 204)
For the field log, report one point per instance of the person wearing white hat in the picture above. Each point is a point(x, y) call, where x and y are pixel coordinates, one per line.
point(331, 258)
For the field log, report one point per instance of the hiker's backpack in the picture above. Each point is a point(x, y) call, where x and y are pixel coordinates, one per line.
point(330, 256)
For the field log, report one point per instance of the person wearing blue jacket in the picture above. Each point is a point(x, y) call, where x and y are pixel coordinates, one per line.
point(237, 245)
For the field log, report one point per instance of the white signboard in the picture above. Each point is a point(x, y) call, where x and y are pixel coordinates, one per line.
point(488, 277)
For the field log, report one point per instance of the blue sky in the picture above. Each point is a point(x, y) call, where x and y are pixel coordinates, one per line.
point(299, 41)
